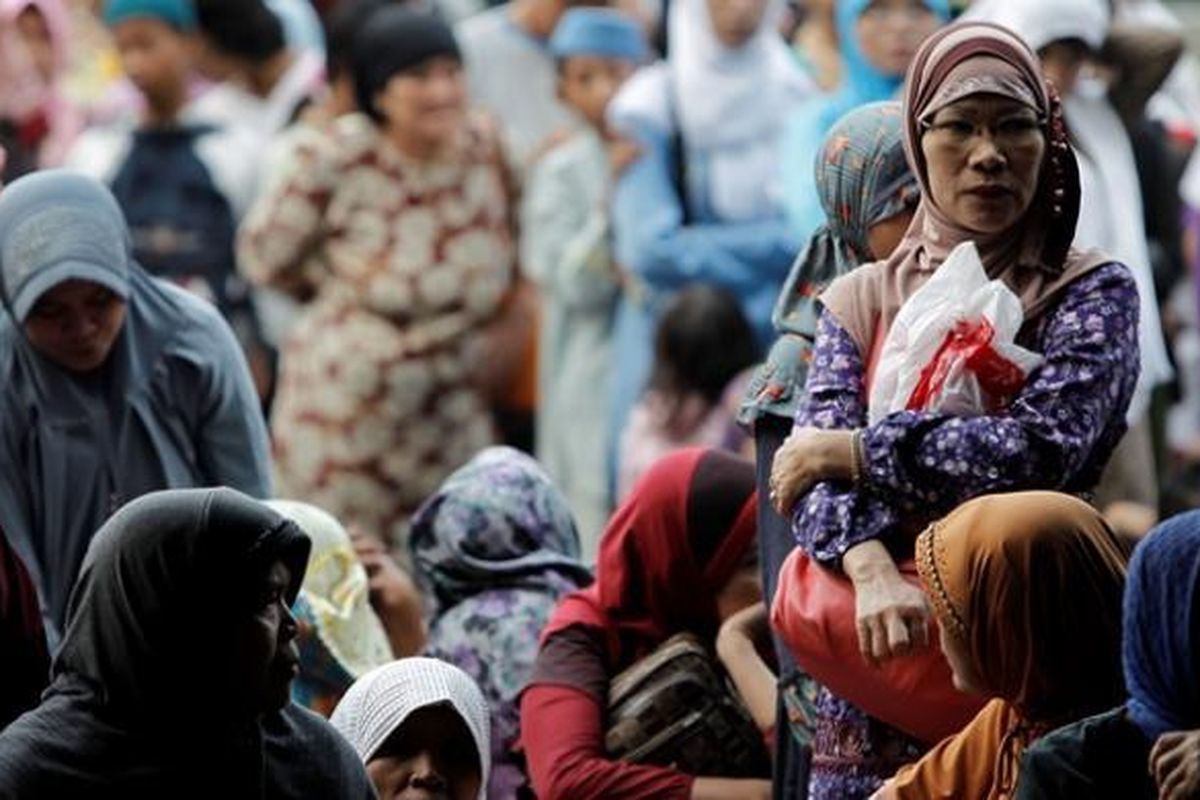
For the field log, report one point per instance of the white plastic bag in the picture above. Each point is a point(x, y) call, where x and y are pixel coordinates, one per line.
point(952, 345)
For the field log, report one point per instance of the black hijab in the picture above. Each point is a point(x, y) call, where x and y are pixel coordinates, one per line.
point(132, 709)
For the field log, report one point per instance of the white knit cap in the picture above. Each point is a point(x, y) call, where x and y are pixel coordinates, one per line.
point(379, 702)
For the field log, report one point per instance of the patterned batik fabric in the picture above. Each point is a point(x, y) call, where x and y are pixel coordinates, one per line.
point(406, 262)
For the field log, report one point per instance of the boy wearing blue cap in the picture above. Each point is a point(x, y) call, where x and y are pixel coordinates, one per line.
point(565, 249)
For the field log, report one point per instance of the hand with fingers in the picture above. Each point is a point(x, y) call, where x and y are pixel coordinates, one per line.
point(892, 615)
point(393, 594)
point(807, 457)
point(1175, 765)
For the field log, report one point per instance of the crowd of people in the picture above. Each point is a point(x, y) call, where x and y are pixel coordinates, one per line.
point(599, 399)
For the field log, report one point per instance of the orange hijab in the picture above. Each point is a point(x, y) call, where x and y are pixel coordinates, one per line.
point(1034, 258)
point(1032, 583)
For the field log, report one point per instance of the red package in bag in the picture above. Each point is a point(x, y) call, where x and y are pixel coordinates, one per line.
point(814, 612)
point(951, 347)
point(968, 348)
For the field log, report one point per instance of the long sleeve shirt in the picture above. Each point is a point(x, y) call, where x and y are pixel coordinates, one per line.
point(562, 729)
point(1056, 433)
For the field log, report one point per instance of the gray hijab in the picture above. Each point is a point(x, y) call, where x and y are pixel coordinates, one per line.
point(134, 709)
point(172, 407)
point(57, 228)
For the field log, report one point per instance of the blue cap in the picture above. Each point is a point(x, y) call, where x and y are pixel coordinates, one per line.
point(602, 32)
point(178, 13)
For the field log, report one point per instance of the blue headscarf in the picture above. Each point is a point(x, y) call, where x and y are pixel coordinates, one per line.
point(862, 83)
point(1161, 647)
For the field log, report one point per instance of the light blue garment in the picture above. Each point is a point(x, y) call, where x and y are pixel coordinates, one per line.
point(601, 32)
point(726, 107)
point(566, 250)
point(172, 407)
point(301, 25)
point(511, 75)
point(661, 255)
point(808, 125)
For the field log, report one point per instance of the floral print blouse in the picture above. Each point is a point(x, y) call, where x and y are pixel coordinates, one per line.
point(1057, 433)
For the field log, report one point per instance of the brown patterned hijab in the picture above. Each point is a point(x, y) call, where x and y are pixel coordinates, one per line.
point(1034, 258)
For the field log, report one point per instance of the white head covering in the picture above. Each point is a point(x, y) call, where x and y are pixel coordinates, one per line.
point(730, 104)
point(336, 589)
point(1040, 22)
point(1111, 214)
point(380, 701)
point(729, 96)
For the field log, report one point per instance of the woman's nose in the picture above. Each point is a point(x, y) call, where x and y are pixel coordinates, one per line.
point(82, 325)
point(425, 772)
point(289, 627)
point(985, 155)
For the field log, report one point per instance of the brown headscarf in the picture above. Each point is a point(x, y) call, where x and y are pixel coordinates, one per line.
point(1034, 258)
point(1032, 582)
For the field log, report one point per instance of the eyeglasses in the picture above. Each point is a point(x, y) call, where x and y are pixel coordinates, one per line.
point(1013, 131)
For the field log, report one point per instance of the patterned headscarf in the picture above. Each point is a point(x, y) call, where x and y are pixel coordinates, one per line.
point(862, 179)
point(494, 549)
point(497, 523)
point(1162, 628)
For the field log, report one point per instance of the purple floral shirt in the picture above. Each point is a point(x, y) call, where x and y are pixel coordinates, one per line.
point(1057, 433)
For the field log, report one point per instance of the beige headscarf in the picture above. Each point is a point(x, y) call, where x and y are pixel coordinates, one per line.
point(1034, 258)
point(336, 603)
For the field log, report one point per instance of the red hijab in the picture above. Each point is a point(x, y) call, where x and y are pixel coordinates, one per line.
point(668, 550)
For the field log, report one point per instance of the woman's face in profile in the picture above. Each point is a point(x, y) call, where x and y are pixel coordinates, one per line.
point(984, 156)
point(76, 324)
point(264, 658)
point(431, 756)
point(962, 665)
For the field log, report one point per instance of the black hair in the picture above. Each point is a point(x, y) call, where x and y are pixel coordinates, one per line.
point(341, 27)
point(392, 40)
point(245, 29)
point(703, 342)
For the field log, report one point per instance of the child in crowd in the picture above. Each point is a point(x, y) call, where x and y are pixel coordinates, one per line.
point(263, 81)
point(511, 75)
point(703, 351)
point(38, 120)
point(182, 185)
point(566, 252)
